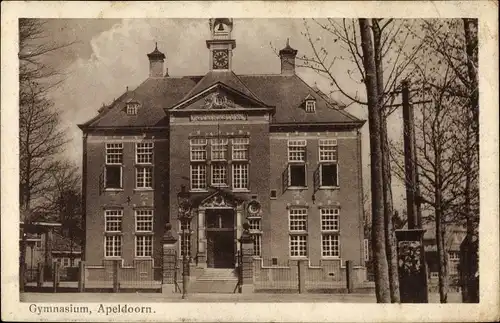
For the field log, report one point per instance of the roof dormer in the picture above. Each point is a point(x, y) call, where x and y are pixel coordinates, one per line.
point(132, 106)
point(310, 104)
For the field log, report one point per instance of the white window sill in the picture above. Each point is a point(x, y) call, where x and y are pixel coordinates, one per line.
point(198, 190)
point(298, 257)
point(143, 189)
point(330, 257)
point(241, 190)
point(113, 190)
point(143, 257)
point(220, 185)
point(297, 188)
point(113, 258)
point(329, 187)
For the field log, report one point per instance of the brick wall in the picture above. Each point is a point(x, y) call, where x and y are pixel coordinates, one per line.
point(347, 197)
point(127, 199)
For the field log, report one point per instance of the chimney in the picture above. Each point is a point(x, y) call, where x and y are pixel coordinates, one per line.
point(156, 59)
point(287, 56)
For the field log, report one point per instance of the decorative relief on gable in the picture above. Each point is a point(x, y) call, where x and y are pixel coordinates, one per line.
point(217, 201)
point(219, 101)
point(218, 117)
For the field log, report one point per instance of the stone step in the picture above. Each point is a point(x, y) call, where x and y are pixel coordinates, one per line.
point(212, 286)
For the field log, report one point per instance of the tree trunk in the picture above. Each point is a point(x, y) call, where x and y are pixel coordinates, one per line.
point(440, 232)
point(390, 244)
point(378, 227)
point(471, 43)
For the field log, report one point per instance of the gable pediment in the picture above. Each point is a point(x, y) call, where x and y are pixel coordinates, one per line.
point(219, 97)
point(220, 199)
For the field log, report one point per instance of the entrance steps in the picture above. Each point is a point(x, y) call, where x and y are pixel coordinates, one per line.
point(219, 274)
point(215, 280)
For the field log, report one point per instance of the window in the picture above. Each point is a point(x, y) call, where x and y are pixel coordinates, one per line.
point(366, 249)
point(257, 245)
point(198, 176)
point(144, 221)
point(198, 149)
point(113, 228)
point(185, 239)
point(298, 245)
point(219, 174)
point(240, 148)
point(296, 150)
point(114, 160)
point(330, 232)
point(273, 194)
point(132, 108)
point(113, 245)
point(144, 230)
point(240, 176)
point(297, 225)
point(144, 246)
point(330, 245)
point(113, 220)
point(297, 163)
point(254, 224)
point(144, 177)
point(144, 153)
point(328, 163)
point(65, 262)
point(256, 232)
point(310, 106)
point(329, 219)
point(297, 220)
point(198, 155)
point(219, 148)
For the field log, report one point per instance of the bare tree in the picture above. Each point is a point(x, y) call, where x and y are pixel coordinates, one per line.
point(394, 49)
point(449, 160)
point(41, 137)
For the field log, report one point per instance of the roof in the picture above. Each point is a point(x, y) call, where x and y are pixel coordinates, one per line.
point(454, 235)
point(286, 93)
point(62, 244)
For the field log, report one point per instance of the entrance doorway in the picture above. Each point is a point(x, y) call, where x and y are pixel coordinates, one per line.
point(220, 238)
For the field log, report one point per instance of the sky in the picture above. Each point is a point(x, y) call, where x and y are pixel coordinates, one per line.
point(109, 55)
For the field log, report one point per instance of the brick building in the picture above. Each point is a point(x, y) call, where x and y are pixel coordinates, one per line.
point(269, 150)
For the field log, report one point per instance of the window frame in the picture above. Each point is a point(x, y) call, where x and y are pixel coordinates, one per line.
point(330, 230)
point(194, 147)
point(182, 241)
point(238, 145)
point(110, 154)
point(301, 253)
point(223, 175)
point(244, 173)
point(297, 157)
point(328, 147)
point(199, 178)
point(143, 182)
point(115, 236)
point(140, 153)
point(310, 106)
point(219, 146)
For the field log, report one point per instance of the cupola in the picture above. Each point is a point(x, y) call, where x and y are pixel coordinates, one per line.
point(156, 59)
point(287, 56)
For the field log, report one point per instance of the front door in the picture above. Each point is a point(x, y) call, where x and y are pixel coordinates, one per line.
point(220, 238)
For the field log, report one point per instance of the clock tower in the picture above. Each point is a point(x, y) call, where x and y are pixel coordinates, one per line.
point(221, 45)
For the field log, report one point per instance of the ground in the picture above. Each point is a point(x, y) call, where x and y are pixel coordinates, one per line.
point(206, 297)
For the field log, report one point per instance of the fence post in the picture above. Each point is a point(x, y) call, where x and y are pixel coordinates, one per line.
point(55, 276)
point(302, 275)
point(39, 280)
point(81, 276)
point(349, 276)
point(116, 272)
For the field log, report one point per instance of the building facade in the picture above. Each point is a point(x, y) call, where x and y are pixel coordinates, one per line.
point(269, 150)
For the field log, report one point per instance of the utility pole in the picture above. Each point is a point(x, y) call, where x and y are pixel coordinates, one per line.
point(412, 267)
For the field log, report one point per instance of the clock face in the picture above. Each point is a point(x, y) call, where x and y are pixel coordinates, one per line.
point(221, 59)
